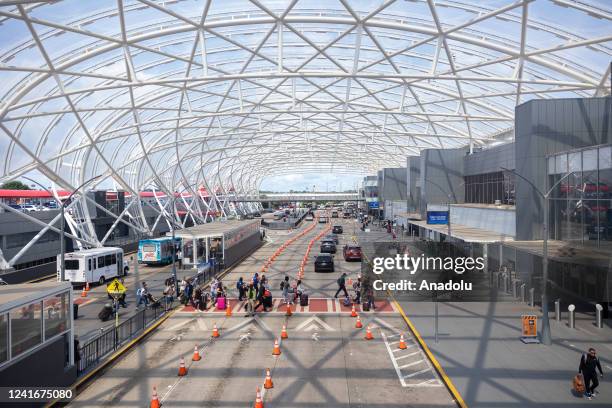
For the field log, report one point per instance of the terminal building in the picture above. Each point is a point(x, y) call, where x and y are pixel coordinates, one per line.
point(495, 197)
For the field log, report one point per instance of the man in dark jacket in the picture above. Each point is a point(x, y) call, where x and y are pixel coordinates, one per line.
point(341, 285)
point(588, 363)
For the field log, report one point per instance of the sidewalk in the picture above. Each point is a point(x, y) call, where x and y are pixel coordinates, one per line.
point(480, 350)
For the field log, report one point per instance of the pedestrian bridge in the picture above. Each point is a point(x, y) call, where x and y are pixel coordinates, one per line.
point(314, 196)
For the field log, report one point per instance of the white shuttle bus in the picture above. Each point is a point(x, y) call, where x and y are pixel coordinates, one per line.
point(92, 265)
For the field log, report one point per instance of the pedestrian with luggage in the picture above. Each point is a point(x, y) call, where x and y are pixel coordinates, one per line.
point(256, 281)
point(285, 286)
point(588, 365)
point(341, 285)
point(260, 293)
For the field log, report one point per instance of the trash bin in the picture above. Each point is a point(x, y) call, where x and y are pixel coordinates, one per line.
point(75, 311)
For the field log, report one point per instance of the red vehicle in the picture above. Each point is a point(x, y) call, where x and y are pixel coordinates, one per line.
point(351, 253)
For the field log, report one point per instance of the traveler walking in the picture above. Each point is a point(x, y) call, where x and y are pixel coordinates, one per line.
point(241, 289)
point(341, 285)
point(588, 365)
point(251, 296)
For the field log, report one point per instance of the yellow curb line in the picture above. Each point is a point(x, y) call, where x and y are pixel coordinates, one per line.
point(458, 399)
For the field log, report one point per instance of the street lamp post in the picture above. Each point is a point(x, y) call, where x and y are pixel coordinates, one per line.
point(546, 336)
point(63, 219)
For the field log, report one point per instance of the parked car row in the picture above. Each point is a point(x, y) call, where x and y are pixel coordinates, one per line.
point(35, 207)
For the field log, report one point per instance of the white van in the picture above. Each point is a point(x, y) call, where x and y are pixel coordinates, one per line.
point(92, 265)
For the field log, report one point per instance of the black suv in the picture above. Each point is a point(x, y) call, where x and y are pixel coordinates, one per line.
point(337, 229)
point(328, 246)
point(324, 263)
point(331, 237)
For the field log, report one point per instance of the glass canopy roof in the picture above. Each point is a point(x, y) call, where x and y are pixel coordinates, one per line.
point(185, 94)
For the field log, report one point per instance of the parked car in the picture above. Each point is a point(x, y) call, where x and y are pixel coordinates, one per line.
point(324, 263)
point(334, 214)
point(328, 246)
point(351, 253)
point(322, 220)
point(337, 229)
point(331, 237)
point(309, 217)
point(257, 215)
point(16, 206)
point(29, 208)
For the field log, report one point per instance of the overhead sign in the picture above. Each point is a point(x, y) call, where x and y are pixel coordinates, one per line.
point(373, 204)
point(437, 217)
point(115, 288)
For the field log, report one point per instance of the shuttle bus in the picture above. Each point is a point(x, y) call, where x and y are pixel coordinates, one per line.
point(157, 251)
point(92, 265)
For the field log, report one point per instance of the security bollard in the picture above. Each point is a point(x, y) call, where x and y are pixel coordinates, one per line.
point(571, 318)
point(515, 288)
point(504, 283)
point(558, 310)
point(508, 283)
point(523, 291)
point(599, 316)
point(532, 297)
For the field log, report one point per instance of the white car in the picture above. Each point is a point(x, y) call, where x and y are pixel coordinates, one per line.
point(28, 208)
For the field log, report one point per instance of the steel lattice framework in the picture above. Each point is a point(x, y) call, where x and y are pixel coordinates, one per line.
point(186, 95)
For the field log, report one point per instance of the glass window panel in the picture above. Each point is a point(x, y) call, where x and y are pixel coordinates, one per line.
point(56, 314)
point(26, 328)
point(574, 161)
point(551, 165)
point(561, 163)
point(605, 157)
point(3, 338)
point(589, 160)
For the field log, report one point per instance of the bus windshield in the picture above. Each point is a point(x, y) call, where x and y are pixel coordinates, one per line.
point(71, 264)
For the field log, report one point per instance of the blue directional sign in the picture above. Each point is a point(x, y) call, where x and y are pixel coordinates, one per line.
point(437, 217)
point(373, 204)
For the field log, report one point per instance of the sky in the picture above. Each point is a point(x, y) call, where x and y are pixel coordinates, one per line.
point(322, 182)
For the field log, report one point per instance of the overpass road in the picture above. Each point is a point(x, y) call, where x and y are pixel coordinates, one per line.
point(324, 362)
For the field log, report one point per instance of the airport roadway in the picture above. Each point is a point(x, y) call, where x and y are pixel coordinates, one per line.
point(324, 362)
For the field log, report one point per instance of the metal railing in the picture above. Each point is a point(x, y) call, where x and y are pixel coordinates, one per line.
point(99, 347)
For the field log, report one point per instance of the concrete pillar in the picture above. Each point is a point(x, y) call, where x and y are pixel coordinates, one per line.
point(195, 253)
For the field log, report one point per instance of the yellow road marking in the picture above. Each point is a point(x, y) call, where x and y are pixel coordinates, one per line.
point(445, 378)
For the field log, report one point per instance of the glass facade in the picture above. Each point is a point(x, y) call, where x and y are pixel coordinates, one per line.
point(581, 203)
point(490, 187)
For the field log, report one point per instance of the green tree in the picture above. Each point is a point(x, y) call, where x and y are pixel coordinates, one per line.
point(15, 185)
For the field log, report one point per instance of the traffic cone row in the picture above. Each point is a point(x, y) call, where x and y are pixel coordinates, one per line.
point(284, 246)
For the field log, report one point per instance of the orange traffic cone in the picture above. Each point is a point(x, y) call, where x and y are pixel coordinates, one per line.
point(228, 309)
point(350, 282)
point(268, 384)
point(289, 312)
point(353, 311)
point(258, 400)
point(87, 286)
point(358, 324)
point(368, 335)
point(196, 354)
point(182, 369)
point(284, 333)
point(84, 293)
point(215, 331)
point(154, 400)
point(276, 351)
point(402, 343)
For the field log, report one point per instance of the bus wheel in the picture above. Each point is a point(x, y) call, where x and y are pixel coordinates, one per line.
point(101, 280)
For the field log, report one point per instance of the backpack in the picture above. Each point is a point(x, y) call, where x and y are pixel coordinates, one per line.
point(282, 285)
point(340, 281)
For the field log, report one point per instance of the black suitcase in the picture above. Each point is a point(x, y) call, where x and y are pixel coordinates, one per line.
point(304, 299)
point(267, 301)
point(366, 307)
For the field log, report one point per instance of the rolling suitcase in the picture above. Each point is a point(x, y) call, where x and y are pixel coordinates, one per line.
point(220, 303)
point(304, 299)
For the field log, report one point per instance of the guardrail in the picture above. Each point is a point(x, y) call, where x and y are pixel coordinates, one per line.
point(109, 340)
